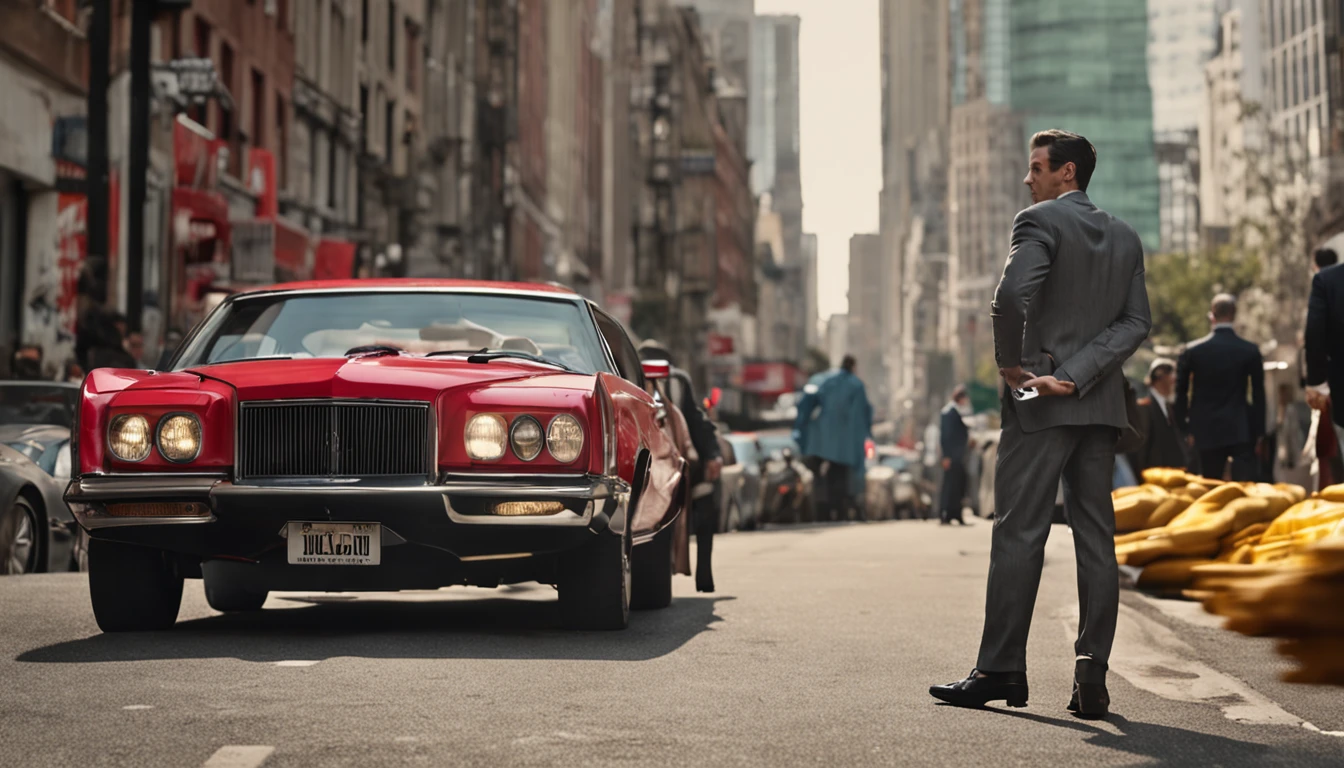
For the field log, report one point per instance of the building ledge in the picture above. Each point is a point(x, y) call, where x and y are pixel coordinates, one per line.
point(47, 42)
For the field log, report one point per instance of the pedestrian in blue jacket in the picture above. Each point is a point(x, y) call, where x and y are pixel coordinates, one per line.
point(832, 425)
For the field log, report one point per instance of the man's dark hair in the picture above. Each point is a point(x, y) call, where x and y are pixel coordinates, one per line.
point(1326, 257)
point(1066, 147)
point(849, 363)
point(959, 392)
point(1224, 308)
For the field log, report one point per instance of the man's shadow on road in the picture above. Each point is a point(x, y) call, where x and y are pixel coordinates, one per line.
point(328, 627)
point(1167, 745)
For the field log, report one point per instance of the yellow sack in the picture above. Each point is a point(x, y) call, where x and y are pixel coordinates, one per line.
point(1167, 511)
point(1170, 573)
point(1132, 512)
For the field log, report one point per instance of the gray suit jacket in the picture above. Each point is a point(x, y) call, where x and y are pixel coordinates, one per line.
point(1072, 303)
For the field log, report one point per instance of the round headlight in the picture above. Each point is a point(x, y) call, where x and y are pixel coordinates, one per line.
point(526, 438)
point(486, 437)
point(128, 437)
point(564, 438)
point(180, 437)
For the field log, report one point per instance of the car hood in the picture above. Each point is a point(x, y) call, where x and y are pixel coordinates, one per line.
point(391, 377)
point(42, 434)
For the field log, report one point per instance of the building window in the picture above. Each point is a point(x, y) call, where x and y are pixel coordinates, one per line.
point(281, 144)
point(412, 56)
point(258, 109)
point(225, 131)
point(391, 36)
point(364, 21)
point(364, 116)
point(333, 178)
point(389, 121)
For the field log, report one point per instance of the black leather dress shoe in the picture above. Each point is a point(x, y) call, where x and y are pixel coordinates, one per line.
point(1090, 700)
point(983, 687)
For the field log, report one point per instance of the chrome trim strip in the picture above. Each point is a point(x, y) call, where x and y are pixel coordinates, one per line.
point(564, 519)
point(480, 558)
point(164, 473)
point(94, 522)
point(333, 401)
point(569, 298)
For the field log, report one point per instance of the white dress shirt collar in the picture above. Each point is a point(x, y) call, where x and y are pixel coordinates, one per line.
point(1070, 192)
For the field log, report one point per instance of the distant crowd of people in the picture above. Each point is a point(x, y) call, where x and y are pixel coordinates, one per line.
point(102, 340)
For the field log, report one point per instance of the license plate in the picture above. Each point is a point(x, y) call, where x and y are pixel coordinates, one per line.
point(335, 543)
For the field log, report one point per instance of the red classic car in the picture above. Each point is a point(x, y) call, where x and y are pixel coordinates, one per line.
point(381, 435)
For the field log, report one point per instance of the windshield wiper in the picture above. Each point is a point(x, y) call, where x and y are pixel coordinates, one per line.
point(485, 357)
point(241, 360)
point(374, 350)
point(436, 352)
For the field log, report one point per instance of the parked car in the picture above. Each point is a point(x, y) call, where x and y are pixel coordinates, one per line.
point(912, 494)
point(741, 483)
point(879, 484)
point(37, 531)
point(474, 432)
point(788, 486)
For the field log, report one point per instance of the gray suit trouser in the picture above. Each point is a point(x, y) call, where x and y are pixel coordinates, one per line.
point(1026, 480)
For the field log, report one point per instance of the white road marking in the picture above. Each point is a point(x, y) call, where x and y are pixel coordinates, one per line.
point(234, 756)
point(1151, 657)
point(297, 662)
point(133, 707)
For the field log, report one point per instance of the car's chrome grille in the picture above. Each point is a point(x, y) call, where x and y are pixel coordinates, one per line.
point(333, 439)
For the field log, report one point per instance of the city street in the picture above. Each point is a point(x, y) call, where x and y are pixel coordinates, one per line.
point(817, 650)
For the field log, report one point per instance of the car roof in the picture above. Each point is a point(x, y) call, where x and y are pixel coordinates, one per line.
point(403, 284)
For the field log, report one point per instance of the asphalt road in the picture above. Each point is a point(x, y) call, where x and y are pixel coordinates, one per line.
point(818, 650)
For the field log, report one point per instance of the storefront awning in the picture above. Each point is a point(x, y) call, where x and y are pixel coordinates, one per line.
point(199, 215)
point(772, 379)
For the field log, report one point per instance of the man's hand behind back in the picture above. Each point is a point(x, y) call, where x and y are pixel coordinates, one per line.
point(1049, 386)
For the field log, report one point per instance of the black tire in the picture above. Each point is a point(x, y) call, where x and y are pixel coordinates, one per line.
point(79, 553)
point(133, 589)
point(229, 598)
point(651, 572)
point(20, 542)
point(595, 584)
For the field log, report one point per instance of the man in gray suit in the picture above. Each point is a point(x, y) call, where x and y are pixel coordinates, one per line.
point(1070, 309)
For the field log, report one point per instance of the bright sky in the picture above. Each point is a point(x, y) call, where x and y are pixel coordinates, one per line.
point(841, 131)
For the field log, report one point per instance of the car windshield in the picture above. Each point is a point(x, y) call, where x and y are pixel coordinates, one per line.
point(333, 324)
point(772, 444)
point(37, 404)
point(744, 448)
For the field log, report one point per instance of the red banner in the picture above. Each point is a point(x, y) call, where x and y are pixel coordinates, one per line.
point(261, 182)
point(720, 345)
point(334, 260)
point(71, 243)
point(193, 154)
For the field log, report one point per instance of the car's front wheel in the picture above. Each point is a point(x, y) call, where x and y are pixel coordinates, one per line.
point(133, 589)
point(594, 583)
point(228, 598)
point(19, 531)
point(652, 568)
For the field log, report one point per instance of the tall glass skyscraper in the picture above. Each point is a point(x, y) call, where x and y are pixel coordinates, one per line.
point(1082, 66)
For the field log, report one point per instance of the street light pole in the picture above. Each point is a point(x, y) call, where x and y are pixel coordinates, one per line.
point(100, 43)
point(138, 165)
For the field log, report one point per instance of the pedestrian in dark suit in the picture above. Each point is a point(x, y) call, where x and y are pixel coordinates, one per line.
point(1223, 368)
point(954, 438)
point(1163, 444)
point(1325, 342)
point(1070, 308)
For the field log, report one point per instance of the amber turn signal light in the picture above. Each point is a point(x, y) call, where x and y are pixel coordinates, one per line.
point(159, 509)
point(527, 508)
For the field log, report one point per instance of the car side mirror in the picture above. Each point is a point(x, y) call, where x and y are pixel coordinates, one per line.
point(657, 369)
